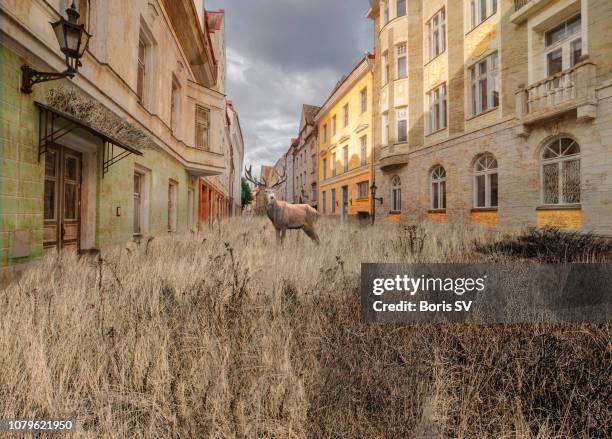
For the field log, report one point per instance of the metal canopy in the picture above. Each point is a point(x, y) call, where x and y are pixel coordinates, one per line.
point(48, 133)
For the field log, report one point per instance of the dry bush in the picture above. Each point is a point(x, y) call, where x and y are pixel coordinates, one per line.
point(222, 334)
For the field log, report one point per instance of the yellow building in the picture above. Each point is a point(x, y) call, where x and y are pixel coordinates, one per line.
point(345, 145)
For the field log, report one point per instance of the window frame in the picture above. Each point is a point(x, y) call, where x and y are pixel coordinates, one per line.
point(345, 115)
point(334, 125)
point(345, 158)
point(363, 150)
point(396, 194)
point(401, 118)
point(206, 126)
point(401, 13)
point(362, 193)
point(385, 65)
point(363, 99)
point(560, 160)
point(332, 199)
point(564, 45)
point(436, 32)
point(491, 80)
point(490, 167)
point(437, 187)
point(324, 167)
point(476, 17)
point(401, 52)
point(437, 99)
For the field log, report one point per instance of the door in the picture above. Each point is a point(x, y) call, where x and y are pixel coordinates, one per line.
point(344, 202)
point(137, 203)
point(62, 198)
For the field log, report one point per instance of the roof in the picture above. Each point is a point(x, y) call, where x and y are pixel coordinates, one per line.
point(310, 111)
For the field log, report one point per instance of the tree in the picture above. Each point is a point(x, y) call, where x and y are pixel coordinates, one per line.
point(246, 194)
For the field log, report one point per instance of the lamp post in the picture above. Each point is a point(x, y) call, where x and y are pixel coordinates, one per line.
point(374, 199)
point(73, 40)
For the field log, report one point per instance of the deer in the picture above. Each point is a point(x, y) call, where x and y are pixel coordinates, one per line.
point(286, 216)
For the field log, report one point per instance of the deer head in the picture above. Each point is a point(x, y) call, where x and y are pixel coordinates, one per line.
point(263, 184)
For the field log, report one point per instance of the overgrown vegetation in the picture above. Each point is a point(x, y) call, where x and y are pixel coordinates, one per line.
point(221, 334)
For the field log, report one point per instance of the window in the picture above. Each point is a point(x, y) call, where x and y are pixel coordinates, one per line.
point(436, 31)
point(401, 8)
point(385, 70)
point(172, 189)
point(400, 52)
point(323, 201)
point(563, 46)
point(313, 192)
point(363, 152)
point(333, 165)
point(485, 181)
point(396, 194)
point(137, 203)
point(140, 80)
point(313, 161)
point(385, 9)
point(484, 77)
point(175, 106)
point(333, 201)
point(324, 166)
point(480, 10)
point(385, 129)
point(362, 189)
point(402, 125)
point(363, 97)
point(324, 134)
point(561, 172)
point(333, 128)
point(345, 158)
point(345, 114)
point(438, 188)
point(202, 119)
point(437, 115)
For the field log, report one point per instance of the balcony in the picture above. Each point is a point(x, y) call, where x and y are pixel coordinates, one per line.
point(523, 9)
point(572, 90)
point(391, 156)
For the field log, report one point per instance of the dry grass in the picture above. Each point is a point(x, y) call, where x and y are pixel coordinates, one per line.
point(220, 334)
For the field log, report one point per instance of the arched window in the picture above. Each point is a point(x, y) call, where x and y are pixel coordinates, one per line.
point(560, 173)
point(396, 194)
point(438, 188)
point(485, 181)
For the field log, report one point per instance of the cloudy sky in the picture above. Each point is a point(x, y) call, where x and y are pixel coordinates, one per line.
point(282, 54)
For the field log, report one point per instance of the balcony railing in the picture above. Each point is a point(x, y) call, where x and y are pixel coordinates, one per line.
point(518, 4)
point(569, 90)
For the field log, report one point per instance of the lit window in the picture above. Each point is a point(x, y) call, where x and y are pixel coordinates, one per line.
point(485, 181)
point(561, 172)
point(438, 188)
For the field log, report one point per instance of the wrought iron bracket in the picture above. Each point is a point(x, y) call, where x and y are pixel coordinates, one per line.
point(29, 77)
point(110, 157)
point(47, 134)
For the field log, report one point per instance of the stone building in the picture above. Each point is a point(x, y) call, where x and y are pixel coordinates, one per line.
point(496, 112)
point(345, 145)
point(305, 159)
point(69, 178)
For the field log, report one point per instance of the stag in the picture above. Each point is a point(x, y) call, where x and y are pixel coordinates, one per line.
point(286, 216)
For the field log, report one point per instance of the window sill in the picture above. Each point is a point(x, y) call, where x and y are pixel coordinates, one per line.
point(560, 207)
point(476, 116)
point(395, 212)
point(362, 199)
point(481, 23)
point(484, 209)
point(436, 132)
point(434, 58)
point(436, 211)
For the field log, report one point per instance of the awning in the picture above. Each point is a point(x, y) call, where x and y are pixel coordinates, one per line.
point(48, 134)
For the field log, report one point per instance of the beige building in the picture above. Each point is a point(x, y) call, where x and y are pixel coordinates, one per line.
point(305, 159)
point(69, 178)
point(497, 112)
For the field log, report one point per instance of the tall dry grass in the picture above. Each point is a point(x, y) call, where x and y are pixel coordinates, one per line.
point(221, 334)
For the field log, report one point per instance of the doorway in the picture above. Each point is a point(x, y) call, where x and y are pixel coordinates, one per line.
point(344, 202)
point(62, 198)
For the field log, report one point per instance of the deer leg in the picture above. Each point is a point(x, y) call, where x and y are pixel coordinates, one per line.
point(310, 232)
point(282, 235)
point(278, 237)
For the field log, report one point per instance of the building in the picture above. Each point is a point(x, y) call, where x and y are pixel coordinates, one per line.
point(305, 159)
point(494, 112)
point(280, 170)
point(290, 158)
point(116, 152)
point(345, 145)
point(237, 142)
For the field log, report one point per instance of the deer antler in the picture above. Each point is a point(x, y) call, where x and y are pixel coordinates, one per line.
point(253, 180)
point(283, 178)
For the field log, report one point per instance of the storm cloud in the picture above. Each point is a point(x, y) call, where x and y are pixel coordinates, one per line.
point(285, 53)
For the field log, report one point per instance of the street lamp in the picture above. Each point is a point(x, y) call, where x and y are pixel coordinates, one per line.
point(73, 40)
point(374, 199)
